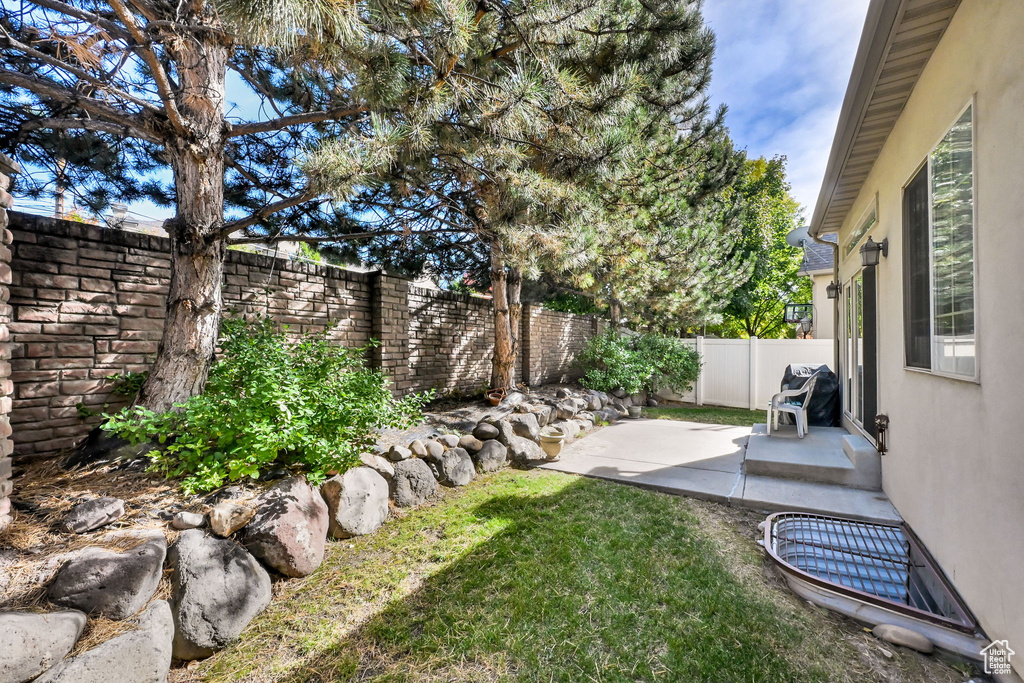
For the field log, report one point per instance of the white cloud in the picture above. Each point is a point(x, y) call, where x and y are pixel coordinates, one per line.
point(782, 67)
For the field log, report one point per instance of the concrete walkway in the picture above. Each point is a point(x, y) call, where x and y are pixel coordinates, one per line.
point(707, 461)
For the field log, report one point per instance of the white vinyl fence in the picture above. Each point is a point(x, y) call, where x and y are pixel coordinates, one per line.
point(746, 373)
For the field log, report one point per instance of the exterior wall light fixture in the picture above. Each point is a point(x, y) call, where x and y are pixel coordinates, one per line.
point(832, 290)
point(872, 251)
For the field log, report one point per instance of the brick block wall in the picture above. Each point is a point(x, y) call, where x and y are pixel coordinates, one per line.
point(7, 168)
point(88, 304)
point(451, 341)
point(551, 341)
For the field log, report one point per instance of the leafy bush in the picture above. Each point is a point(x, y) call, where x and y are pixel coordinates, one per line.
point(639, 362)
point(270, 401)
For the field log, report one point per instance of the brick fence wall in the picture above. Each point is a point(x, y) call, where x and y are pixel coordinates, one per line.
point(7, 168)
point(88, 304)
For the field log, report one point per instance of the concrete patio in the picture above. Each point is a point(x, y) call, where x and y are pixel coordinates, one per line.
point(735, 465)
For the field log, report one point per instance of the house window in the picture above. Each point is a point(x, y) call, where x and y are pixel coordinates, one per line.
point(938, 259)
point(866, 223)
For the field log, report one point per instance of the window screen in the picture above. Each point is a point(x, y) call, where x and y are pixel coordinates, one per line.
point(916, 276)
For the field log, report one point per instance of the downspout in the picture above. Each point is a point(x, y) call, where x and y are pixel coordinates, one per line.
point(835, 302)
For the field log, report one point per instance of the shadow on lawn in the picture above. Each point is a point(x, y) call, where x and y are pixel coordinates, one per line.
point(590, 582)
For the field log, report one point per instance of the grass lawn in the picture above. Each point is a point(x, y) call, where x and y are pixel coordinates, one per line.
point(541, 576)
point(691, 412)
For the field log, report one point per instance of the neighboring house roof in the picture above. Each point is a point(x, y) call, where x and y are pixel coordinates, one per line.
point(817, 256)
point(898, 40)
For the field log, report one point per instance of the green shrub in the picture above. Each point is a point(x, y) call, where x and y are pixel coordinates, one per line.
point(308, 404)
point(638, 362)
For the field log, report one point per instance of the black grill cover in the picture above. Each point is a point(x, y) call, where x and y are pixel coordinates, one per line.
point(824, 408)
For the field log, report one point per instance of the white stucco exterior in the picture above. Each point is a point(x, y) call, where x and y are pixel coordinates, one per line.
point(955, 467)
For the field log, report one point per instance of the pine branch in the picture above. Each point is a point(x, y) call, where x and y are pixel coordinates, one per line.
point(90, 124)
point(49, 89)
point(268, 210)
point(294, 120)
point(88, 17)
point(339, 238)
point(163, 83)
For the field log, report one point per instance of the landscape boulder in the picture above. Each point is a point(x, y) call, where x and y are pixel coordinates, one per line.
point(417, 448)
point(652, 403)
point(435, 449)
point(456, 468)
point(227, 518)
point(449, 440)
point(92, 514)
point(413, 484)
point(513, 399)
point(111, 584)
point(378, 464)
point(399, 453)
point(470, 443)
point(33, 643)
point(594, 402)
point(485, 431)
point(566, 409)
point(217, 588)
point(526, 425)
point(289, 531)
point(139, 656)
point(563, 393)
point(493, 456)
point(188, 520)
point(357, 502)
point(544, 414)
point(521, 451)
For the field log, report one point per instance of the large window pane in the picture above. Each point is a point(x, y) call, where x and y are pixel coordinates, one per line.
point(952, 189)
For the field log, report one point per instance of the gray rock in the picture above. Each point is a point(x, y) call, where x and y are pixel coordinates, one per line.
point(581, 403)
point(224, 495)
point(521, 451)
point(357, 502)
point(619, 393)
point(227, 518)
point(399, 453)
point(608, 414)
point(435, 449)
point(568, 427)
point(566, 409)
point(470, 443)
point(289, 531)
point(140, 656)
point(485, 431)
point(594, 402)
point(33, 643)
point(898, 635)
point(417, 448)
point(456, 468)
point(513, 399)
point(585, 425)
point(525, 426)
point(379, 464)
point(413, 484)
point(620, 407)
point(493, 456)
point(524, 408)
point(627, 401)
point(652, 403)
point(217, 588)
point(188, 520)
point(114, 585)
point(449, 440)
point(563, 393)
point(585, 415)
point(544, 414)
point(92, 514)
point(639, 399)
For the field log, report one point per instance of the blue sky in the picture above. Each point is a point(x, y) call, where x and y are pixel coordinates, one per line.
point(782, 67)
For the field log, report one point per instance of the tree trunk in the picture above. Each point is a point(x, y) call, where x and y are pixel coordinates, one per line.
point(508, 311)
point(614, 310)
point(197, 248)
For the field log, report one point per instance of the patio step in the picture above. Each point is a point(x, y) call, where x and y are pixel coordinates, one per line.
point(771, 494)
point(826, 455)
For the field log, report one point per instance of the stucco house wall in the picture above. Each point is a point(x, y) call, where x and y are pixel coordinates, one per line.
point(824, 313)
point(955, 468)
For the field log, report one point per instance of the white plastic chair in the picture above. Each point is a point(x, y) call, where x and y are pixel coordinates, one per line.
point(783, 402)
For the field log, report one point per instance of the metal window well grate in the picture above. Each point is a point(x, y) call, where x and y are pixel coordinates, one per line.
point(878, 573)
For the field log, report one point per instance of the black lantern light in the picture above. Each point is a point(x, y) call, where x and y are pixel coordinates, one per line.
point(832, 290)
point(872, 251)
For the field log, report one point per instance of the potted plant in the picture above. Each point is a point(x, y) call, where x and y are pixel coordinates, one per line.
point(634, 411)
point(494, 396)
point(551, 440)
